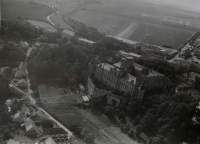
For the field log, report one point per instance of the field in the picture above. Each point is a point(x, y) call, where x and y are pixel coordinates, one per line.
point(108, 24)
point(134, 20)
point(62, 106)
point(160, 35)
point(42, 25)
point(13, 9)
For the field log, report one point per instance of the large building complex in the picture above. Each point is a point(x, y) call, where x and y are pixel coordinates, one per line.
point(118, 76)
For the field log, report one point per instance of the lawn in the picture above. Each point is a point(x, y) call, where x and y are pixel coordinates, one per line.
point(160, 35)
point(13, 9)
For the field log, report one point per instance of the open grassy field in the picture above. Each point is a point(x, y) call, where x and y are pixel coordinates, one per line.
point(168, 26)
point(62, 106)
point(42, 25)
point(160, 35)
point(12, 9)
point(108, 24)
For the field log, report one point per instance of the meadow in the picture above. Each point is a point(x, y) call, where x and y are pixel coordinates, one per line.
point(167, 26)
point(12, 9)
point(160, 35)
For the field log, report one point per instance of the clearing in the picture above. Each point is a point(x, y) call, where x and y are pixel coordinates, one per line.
point(42, 25)
point(108, 24)
point(160, 35)
point(61, 106)
point(12, 9)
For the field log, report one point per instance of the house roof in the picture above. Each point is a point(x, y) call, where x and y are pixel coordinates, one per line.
point(151, 72)
point(49, 140)
point(19, 114)
point(53, 131)
point(23, 139)
point(29, 124)
point(105, 66)
point(25, 109)
point(41, 114)
point(120, 65)
point(11, 141)
point(138, 66)
point(22, 82)
point(135, 55)
point(85, 98)
point(87, 41)
point(69, 32)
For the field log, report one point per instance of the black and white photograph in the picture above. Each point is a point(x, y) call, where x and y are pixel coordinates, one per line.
point(99, 71)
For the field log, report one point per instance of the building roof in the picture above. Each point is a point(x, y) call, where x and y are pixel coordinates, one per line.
point(41, 114)
point(29, 124)
point(11, 141)
point(25, 109)
point(154, 73)
point(22, 82)
point(105, 66)
point(135, 55)
point(151, 72)
point(23, 139)
point(69, 32)
point(138, 66)
point(49, 140)
point(81, 86)
point(85, 98)
point(87, 41)
point(128, 77)
point(53, 131)
point(120, 65)
point(18, 115)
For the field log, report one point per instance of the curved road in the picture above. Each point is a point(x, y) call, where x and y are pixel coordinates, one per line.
point(49, 16)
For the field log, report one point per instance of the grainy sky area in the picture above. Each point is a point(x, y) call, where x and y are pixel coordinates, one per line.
point(193, 5)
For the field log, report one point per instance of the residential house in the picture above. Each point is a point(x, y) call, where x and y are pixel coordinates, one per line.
point(21, 71)
point(31, 128)
point(57, 134)
point(41, 115)
point(11, 141)
point(26, 110)
point(23, 44)
point(88, 42)
point(82, 88)
point(22, 83)
point(19, 117)
point(49, 140)
point(68, 33)
point(85, 99)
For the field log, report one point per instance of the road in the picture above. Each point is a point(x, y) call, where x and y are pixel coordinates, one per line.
point(49, 16)
point(70, 134)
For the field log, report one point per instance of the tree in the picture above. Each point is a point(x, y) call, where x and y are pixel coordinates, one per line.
point(95, 103)
point(7, 135)
point(131, 133)
point(114, 102)
point(164, 129)
point(197, 82)
point(104, 99)
point(149, 123)
point(138, 131)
